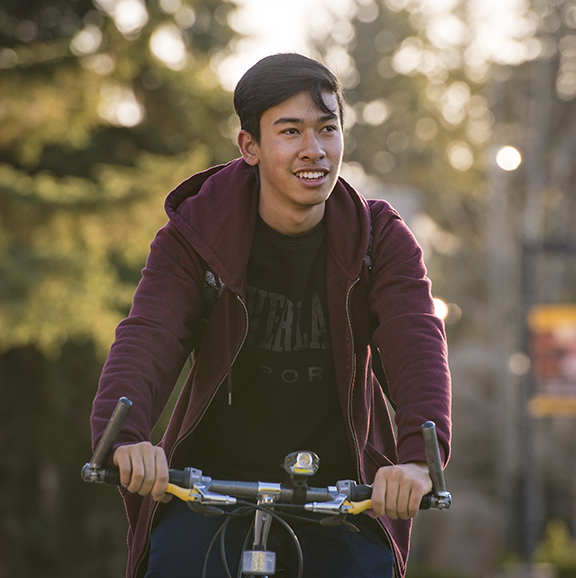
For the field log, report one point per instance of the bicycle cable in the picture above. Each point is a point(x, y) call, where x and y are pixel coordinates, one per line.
point(238, 512)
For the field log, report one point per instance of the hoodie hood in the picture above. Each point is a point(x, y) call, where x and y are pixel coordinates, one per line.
point(214, 210)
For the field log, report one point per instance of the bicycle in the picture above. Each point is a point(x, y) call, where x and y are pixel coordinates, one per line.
point(208, 496)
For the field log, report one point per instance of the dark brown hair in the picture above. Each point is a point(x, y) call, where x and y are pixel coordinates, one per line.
point(275, 79)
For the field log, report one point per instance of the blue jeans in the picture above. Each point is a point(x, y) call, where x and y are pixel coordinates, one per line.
point(180, 541)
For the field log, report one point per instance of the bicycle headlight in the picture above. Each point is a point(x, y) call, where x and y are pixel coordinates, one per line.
point(302, 463)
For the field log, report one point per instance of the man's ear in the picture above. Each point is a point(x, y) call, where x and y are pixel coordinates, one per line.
point(249, 148)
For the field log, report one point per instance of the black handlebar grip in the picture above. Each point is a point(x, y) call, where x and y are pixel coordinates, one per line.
point(111, 476)
point(111, 433)
point(426, 501)
point(433, 457)
point(361, 492)
point(177, 477)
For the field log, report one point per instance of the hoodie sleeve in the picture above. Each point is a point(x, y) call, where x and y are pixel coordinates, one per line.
point(409, 336)
point(154, 341)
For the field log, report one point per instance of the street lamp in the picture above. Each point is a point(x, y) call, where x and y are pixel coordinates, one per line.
point(508, 158)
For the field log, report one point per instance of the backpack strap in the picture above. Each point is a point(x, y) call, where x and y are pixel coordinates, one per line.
point(212, 289)
point(368, 256)
point(377, 366)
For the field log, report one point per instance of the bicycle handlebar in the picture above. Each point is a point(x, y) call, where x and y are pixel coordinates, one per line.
point(185, 485)
point(94, 471)
point(192, 486)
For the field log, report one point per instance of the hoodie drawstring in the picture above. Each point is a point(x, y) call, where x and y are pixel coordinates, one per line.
point(228, 344)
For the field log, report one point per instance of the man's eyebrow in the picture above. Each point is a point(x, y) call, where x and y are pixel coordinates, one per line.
point(288, 120)
point(296, 120)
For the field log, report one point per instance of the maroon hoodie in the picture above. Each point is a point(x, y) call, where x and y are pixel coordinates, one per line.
point(212, 218)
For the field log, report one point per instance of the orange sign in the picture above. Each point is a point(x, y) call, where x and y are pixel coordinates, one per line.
point(553, 357)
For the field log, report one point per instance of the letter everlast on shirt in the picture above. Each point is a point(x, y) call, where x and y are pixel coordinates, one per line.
point(283, 378)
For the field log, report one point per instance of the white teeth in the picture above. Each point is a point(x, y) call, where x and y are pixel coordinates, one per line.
point(310, 175)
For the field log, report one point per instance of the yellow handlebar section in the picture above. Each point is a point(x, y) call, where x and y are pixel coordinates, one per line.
point(358, 507)
point(184, 494)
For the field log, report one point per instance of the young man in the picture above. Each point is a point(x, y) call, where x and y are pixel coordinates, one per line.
point(284, 361)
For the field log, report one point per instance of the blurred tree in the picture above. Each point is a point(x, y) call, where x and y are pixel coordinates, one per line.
point(435, 90)
point(104, 107)
point(538, 207)
point(558, 549)
point(417, 123)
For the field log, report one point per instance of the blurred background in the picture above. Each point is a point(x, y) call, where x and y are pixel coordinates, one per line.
point(461, 113)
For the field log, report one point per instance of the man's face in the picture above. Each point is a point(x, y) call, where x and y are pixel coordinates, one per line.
point(299, 157)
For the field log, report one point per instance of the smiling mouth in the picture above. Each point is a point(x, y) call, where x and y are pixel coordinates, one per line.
point(311, 175)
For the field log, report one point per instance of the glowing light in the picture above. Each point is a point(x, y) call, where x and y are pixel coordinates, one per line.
point(460, 155)
point(167, 46)
point(376, 112)
point(130, 16)
point(446, 30)
point(508, 158)
point(501, 31)
point(170, 6)
point(304, 460)
point(519, 364)
point(450, 313)
point(566, 80)
point(185, 17)
point(285, 26)
point(454, 102)
point(408, 57)
point(86, 41)
point(8, 58)
point(100, 63)
point(120, 106)
point(440, 308)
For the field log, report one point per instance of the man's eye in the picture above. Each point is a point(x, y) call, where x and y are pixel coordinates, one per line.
point(331, 128)
point(290, 131)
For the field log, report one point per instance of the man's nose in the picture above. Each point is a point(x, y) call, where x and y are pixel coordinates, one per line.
point(312, 147)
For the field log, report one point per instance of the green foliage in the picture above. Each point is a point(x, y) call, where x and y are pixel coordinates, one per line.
point(72, 247)
point(96, 127)
point(418, 125)
point(412, 103)
point(559, 549)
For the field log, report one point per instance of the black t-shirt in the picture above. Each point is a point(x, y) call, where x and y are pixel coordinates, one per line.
point(284, 387)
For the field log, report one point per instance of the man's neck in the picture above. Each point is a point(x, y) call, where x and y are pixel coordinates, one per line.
point(295, 222)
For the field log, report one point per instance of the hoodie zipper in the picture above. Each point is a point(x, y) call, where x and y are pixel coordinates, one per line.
point(177, 444)
point(350, 421)
point(351, 424)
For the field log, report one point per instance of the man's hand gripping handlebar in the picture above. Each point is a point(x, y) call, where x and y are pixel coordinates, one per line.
point(190, 485)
